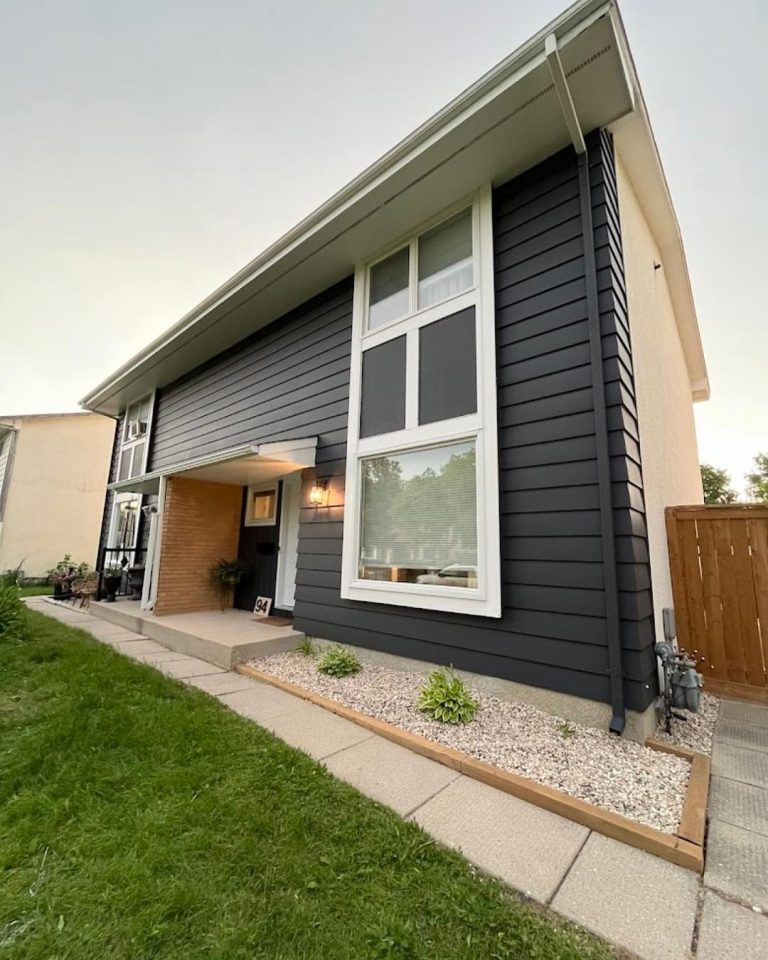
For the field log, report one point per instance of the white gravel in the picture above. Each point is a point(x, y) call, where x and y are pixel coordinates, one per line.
point(610, 772)
point(695, 732)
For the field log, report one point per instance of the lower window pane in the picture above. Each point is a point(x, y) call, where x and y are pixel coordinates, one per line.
point(419, 517)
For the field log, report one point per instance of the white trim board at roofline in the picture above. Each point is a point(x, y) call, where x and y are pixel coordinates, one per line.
point(501, 125)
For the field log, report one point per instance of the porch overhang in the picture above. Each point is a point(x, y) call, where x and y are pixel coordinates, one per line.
point(241, 466)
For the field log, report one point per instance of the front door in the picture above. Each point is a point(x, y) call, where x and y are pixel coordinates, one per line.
point(259, 544)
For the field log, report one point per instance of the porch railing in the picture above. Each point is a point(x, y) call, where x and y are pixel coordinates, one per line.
point(124, 557)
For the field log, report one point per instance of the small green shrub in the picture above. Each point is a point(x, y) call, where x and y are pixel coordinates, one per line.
point(566, 729)
point(339, 662)
point(12, 620)
point(445, 697)
point(305, 647)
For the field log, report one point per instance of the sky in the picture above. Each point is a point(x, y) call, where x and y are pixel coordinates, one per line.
point(152, 149)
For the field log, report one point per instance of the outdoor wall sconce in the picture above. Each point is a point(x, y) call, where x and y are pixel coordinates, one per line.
point(319, 493)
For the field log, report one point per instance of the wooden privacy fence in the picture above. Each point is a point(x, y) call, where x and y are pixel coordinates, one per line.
point(719, 562)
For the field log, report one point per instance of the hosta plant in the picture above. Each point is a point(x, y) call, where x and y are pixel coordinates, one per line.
point(339, 662)
point(445, 697)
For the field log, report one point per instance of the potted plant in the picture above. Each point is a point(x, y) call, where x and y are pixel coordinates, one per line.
point(61, 576)
point(136, 580)
point(226, 574)
point(113, 575)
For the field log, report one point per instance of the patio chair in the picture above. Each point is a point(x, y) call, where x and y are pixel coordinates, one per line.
point(84, 588)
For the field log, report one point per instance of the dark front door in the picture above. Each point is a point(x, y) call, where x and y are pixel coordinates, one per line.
point(258, 548)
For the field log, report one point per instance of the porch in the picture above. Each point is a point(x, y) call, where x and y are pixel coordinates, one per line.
point(224, 639)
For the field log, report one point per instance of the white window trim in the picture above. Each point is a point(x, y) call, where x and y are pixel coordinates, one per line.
point(261, 488)
point(481, 426)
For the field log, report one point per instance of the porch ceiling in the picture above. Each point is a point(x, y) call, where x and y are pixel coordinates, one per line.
point(241, 466)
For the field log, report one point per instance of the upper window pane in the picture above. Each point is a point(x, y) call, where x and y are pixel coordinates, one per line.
point(445, 260)
point(389, 289)
point(419, 517)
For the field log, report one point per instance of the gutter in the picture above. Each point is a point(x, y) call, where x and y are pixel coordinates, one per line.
point(613, 618)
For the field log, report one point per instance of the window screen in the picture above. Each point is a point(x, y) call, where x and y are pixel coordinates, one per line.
point(448, 368)
point(382, 406)
point(419, 517)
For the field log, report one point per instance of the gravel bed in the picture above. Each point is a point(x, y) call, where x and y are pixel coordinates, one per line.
point(610, 772)
point(695, 732)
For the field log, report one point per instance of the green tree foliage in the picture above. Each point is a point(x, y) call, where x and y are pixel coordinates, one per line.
point(716, 485)
point(757, 480)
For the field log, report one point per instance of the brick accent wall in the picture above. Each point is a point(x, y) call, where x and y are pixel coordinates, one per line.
point(201, 524)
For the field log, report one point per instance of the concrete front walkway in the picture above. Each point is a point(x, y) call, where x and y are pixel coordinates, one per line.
point(737, 863)
point(643, 904)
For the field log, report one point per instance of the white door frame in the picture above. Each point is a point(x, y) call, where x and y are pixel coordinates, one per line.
point(288, 538)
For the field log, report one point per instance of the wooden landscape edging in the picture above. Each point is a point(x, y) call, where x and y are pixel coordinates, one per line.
point(677, 848)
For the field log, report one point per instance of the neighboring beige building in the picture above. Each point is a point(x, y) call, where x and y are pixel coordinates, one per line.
point(53, 470)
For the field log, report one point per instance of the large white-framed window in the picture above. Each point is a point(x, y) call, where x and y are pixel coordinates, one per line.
point(134, 439)
point(421, 514)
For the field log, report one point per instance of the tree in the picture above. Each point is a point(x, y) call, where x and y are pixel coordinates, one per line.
point(716, 485)
point(757, 481)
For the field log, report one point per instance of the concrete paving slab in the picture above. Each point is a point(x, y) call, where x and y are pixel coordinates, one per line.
point(220, 683)
point(389, 773)
point(124, 635)
point(314, 730)
point(640, 902)
point(737, 863)
point(752, 713)
point(739, 734)
point(738, 803)
point(104, 630)
point(728, 930)
point(188, 667)
point(525, 846)
point(260, 702)
point(138, 648)
point(164, 657)
point(738, 763)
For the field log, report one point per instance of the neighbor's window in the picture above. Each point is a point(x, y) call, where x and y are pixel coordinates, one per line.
point(261, 508)
point(419, 517)
point(133, 448)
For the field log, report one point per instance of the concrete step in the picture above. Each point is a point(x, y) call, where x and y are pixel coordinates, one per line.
point(224, 639)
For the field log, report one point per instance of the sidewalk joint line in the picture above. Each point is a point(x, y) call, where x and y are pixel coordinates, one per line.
point(410, 813)
point(568, 870)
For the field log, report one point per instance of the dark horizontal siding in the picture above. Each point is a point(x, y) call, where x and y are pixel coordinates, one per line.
point(287, 381)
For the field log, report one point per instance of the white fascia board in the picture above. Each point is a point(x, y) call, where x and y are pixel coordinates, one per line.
point(569, 24)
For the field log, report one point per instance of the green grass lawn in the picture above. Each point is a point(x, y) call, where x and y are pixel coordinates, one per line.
point(141, 819)
point(36, 590)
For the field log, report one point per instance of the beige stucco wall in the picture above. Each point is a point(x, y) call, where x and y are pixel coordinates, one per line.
point(668, 447)
point(56, 490)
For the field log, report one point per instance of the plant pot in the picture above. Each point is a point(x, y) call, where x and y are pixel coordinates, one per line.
point(57, 590)
point(111, 586)
point(136, 580)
